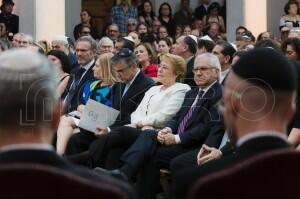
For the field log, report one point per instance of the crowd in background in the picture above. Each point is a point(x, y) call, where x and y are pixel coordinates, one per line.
point(149, 67)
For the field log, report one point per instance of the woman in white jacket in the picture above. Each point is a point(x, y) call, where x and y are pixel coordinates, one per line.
point(158, 106)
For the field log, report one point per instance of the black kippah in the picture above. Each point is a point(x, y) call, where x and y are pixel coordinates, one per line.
point(266, 67)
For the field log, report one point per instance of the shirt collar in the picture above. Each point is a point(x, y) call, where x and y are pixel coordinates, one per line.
point(207, 88)
point(89, 65)
point(259, 134)
point(132, 80)
point(224, 74)
point(188, 59)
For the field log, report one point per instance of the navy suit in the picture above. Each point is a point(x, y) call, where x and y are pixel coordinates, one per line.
point(73, 99)
point(126, 104)
point(189, 75)
point(205, 126)
point(200, 12)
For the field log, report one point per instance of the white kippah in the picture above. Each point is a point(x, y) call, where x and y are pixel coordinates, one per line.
point(60, 38)
point(206, 37)
point(194, 38)
point(129, 38)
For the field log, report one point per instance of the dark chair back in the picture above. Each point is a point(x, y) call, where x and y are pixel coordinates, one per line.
point(40, 181)
point(274, 174)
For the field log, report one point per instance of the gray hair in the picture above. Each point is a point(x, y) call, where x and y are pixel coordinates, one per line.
point(28, 84)
point(88, 39)
point(212, 60)
point(132, 20)
point(105, 39)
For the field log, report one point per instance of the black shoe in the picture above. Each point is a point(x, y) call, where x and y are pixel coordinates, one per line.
point(118, 174)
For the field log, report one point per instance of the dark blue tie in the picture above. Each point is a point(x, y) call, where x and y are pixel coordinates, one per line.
point(74, 86)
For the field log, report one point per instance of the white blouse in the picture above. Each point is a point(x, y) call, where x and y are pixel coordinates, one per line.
point(159, 106)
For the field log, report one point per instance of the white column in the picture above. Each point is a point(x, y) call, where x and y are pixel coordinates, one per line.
point(235, 17)
point(274, 12)
point(73, 9)
point(41, 18)
point(256, 16)
point(50, 18)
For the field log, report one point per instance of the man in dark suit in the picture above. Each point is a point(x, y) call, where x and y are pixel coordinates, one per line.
point(259, 104)
point(196, 122)
point(202, 10)
point(126, 97)
point(29, 111)
point(85, 48)
point(186, 47)
point(12, 20)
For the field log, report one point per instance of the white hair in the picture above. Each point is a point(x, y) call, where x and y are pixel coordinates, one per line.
point(212, 60)
point(105, 40)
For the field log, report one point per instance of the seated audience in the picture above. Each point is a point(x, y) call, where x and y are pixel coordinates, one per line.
point(98, 90)
point(271, 95)
point(126, 97)
point(158, 106)
point(29, 114)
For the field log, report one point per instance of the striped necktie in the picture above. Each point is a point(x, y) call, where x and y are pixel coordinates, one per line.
point(189, 114)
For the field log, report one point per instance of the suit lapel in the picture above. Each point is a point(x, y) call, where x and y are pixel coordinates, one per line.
point(133, 87)
point(206, 101)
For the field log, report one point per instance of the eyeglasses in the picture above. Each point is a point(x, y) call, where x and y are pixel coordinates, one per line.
point(202, 69)
point(131, 24)
point(85, 32)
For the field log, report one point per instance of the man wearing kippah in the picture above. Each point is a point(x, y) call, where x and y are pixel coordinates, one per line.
point(258, 105)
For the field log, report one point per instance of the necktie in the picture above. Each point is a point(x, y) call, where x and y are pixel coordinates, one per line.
point(74, 86)
point(189, 114)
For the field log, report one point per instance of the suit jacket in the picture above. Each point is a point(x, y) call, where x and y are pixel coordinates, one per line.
point(184, 179)
point(205, 124)
point(189, 75)
point(12, 21)
point(129, 102)
point(74, 99)
point(50, 158)
point(200, 12)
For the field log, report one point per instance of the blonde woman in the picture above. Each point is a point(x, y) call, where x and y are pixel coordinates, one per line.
point(98, 90)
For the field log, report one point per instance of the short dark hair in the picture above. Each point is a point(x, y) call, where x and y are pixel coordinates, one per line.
point(214, 5)
point(63, 58)
point(295, 43)
point(288, 4)
point(125, 56)
point(228, 49)
point(268, 43)
point(192, 45)
point(208, 45)
point(127, 43)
